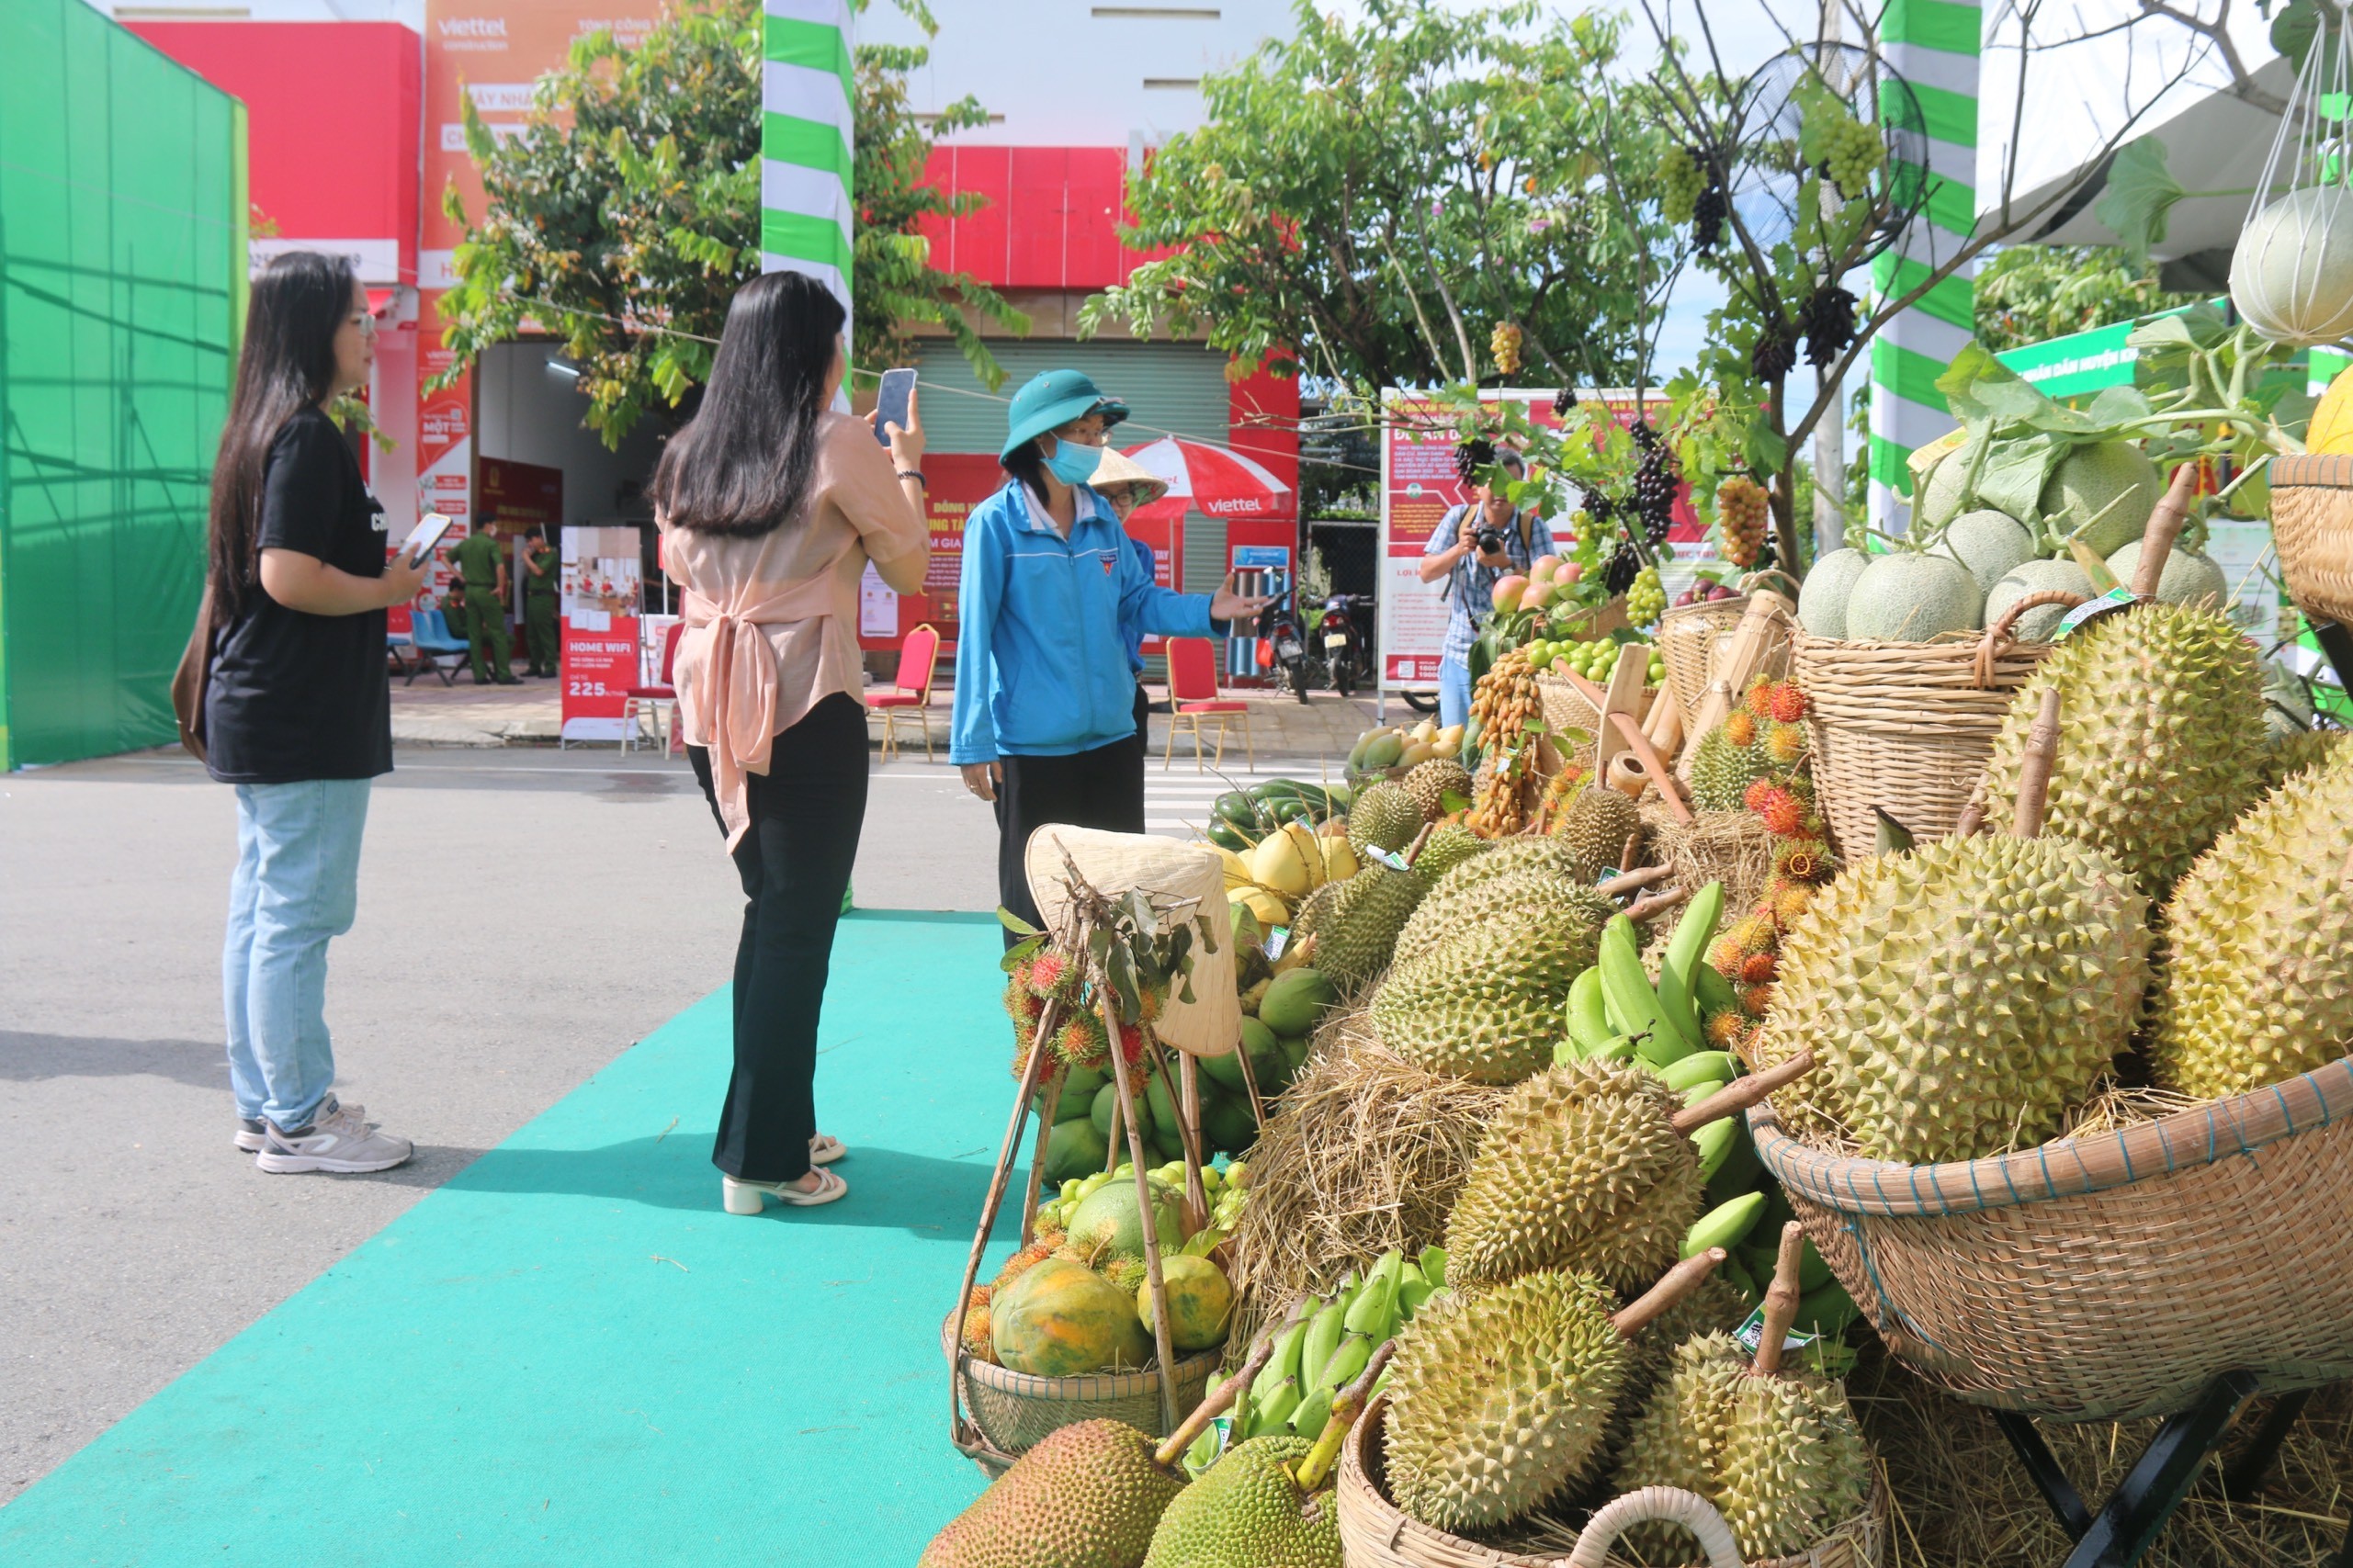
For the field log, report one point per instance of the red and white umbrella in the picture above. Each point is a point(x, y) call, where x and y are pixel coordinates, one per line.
point(1216, 480)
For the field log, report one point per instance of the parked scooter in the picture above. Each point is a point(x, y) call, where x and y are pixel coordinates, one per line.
point(1282, 645)
point(1348, 650)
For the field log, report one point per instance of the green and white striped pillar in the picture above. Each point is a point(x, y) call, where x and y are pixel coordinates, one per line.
point(1933, 45)
point(809, 94)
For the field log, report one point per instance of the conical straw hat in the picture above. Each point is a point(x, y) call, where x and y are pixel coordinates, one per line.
point(1115, 864)
point(1119, 471)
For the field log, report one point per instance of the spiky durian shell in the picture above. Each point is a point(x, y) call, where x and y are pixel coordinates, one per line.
point(1722, 773)
point(1595, 826)
point(1315, 909)
point(1961, 996)
point(1463, 896)
point(2290, 754)
point(1448, 846)
point(1429, 782)
point(2160, 737)
point(1793, 1464)
point(1486, 1001)
point(1580, 1169)
point(1680, 1436)
point(1357, 934)
point(2258, 978)
point(1385, 817)
point(1500, 1400)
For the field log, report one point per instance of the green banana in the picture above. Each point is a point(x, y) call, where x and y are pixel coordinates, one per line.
point(1323, 1337)
point(1712, 1143)
point(1412, 1290)
point(1740, 1171)
point(1677, 968)
point(1313, 1412)
point(1735, 1271)
point(1371, 1313)
point(1274, 1415)
point(1699, 1068)
point(1620, 1048)
point(1345, 1363)
point(1282, 1363)
point(1813, 1272)
point(1589, 1014)
point(1724, 1225)
point(1826, 1311)
point(1632, 1004)
point(1700, 1092)
point(1433, 1267)
point(1712, 990)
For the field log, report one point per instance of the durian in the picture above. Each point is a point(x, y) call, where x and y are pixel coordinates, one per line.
point(1430, 782)
point(1501, 1399)
point(1383, 818)
point(1722, 772)
point(1464, 895)
point(1678, 1438)
point(1314, 910)
point(1961, 996)
point(1581, 1169)
point(2258, 980)
point(1088, 1495)
point(1485, 1000)
point(1246, 1512)
point(1448, 846)
point(2296, 750)
point(1356, 934)
point(1595, 826)
point(2160, 731)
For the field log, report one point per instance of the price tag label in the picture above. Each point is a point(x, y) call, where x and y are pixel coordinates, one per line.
point(2090, 610)
point(1276, 941)
point(1390, 858)
point(1752, 1335)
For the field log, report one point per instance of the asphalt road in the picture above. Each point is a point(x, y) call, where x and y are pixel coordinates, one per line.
point(525, 916)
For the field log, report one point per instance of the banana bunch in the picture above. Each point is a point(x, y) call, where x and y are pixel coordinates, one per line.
point(1325, 1350)
point(1613, 1009)
point(1283, 867)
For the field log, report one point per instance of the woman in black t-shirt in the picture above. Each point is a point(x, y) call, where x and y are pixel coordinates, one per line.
point(297, 712)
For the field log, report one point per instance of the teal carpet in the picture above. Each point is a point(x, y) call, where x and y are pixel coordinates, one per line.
point(568, 1355)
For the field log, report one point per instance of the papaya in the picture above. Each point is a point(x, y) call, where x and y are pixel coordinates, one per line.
point(1200, 1301)
point(1074, 1149)
point(1061, 1319)
point(1109, 1220)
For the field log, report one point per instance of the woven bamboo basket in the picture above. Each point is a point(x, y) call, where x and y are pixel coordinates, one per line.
point(1904, 727)
point(2312, 527)
point(1014, 1411)
point(1375, 1534)
point(2109, 1276)
point(1562, 706)
point(1687, 637)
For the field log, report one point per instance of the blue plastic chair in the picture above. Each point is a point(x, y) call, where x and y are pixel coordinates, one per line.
point(429, 635)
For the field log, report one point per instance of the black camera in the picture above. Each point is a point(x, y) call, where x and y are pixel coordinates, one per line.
point(1490, 541)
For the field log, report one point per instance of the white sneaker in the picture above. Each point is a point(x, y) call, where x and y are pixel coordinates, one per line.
point(252, 1137)
point(336, 1140)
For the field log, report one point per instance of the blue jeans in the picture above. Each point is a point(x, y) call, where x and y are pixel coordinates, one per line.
point(1453, 693)
point(296, 885)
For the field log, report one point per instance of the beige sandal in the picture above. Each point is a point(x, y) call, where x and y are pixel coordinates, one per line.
point(750, 1197)
point(825, 1148)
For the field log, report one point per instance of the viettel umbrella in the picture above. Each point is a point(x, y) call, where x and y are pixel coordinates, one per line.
point(1217, 481)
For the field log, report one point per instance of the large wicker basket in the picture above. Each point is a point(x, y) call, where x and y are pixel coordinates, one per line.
point(1375, 1534)
point(1014, 1411)
point(2110, 1276)
point(1904, 727)
point(2312, 527)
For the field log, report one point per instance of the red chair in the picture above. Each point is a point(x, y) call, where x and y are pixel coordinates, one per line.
point(919, 655)
point(1193, 697)
point(656, 700)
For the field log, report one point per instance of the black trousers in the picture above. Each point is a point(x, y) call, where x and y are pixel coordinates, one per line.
point(1143, 725)
point(1102, 789)
point(795, 861)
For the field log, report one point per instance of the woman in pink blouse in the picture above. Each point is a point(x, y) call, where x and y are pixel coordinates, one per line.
point(771, 505)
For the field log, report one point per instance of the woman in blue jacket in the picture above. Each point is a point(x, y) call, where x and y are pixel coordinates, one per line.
point(1045, 719)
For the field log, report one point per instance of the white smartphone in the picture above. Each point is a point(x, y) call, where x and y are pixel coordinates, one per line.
point(429, 531)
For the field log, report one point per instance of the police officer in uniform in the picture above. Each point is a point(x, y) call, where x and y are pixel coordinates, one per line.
point(481, 563)
point(541, 579)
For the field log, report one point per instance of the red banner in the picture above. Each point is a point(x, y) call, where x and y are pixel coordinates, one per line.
point(599, 668)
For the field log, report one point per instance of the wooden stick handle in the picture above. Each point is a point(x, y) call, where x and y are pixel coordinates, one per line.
point(1056, 1076)
point(1657, 903)
point(1221, 1399)
point(1316, 1464)
point(1741, 1093)
point(1634, 880)
point(1153, 1276)
point(1672, 1287)
point(2034, 771)
point(2164, 527)
point(1051, 1015)
point(1780, 1301)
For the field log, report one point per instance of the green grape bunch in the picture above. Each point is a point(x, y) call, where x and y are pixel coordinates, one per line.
point(1680, 179)
point(1645, 600)
point(1852, 153)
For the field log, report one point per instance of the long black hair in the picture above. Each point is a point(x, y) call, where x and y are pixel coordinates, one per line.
point(743, 466)
point(288, 364)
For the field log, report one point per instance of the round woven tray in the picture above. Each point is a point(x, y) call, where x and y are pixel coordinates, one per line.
point(1373, 1534)
point(1014, 1411)
point(2312, 527)
point(2110, 1276)
point(1904, 727)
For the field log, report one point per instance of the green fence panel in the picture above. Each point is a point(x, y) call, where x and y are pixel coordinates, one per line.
point(122, 262)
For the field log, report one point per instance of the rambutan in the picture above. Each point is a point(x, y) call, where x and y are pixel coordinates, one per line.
point(1050, 972)
point(1741, 728)
point(1081, 1041)
point(1754, 796)
point(1803, 859)
point(1758, 699)
point(1789, 900)
point(1726, 1030)
point(979, 1343)
point(1784, 743)
point(1754, 999)
point(1021, 1262)
point(1780, 812)
point(1788, 702)
point(1757, 969)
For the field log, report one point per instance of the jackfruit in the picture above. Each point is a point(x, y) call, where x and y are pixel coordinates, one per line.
point(1501, 1398)
point(1088, 1495)
point(2258, 944)
point(1246, 1512)
point(1580, 1169)
point(1961, 996)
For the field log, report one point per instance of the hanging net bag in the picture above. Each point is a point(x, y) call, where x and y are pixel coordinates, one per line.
point(2291, 272)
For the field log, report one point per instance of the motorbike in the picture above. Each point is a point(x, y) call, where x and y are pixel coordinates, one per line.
point(1347, 652)
point(1283, 646)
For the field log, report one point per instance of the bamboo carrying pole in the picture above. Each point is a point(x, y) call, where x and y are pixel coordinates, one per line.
point(1056, 1076)
point(1196, 1195)
point(1158, 1283)
point(997, 1183)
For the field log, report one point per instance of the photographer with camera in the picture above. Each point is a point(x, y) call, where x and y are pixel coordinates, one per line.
point(1472, 549)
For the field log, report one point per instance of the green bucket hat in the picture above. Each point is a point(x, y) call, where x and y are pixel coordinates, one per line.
point(1055, 398)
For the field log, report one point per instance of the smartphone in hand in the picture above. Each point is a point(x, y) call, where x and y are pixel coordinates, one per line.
point(891, 406)
point(429, 531)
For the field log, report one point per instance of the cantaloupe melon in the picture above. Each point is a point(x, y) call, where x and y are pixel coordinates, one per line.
point(2188, 577)
point(2112, 480)
point(2034, 577)
point(1939, 501)
point(1988, 542)
point(1911, 596)
point(1822, 597)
